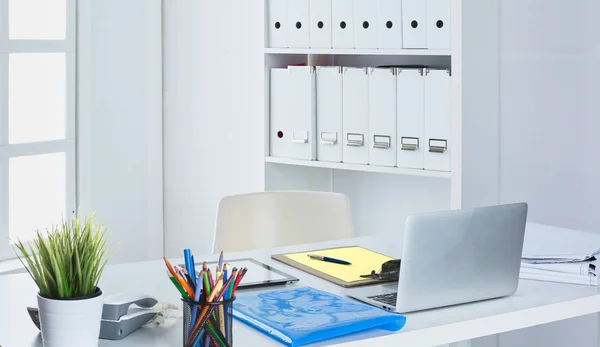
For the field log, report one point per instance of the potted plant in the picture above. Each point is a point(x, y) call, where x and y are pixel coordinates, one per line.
point(66, 263)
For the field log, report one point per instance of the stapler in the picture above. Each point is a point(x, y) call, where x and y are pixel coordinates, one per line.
point(119, 319)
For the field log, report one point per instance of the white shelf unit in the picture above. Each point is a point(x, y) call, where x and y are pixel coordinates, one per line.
point(362, 168)
point(325, 51)
point(382, 197)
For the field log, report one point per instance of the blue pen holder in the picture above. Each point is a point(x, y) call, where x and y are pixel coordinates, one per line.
point(208, 324)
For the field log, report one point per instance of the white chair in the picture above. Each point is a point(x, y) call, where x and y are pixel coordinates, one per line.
point(281, 218)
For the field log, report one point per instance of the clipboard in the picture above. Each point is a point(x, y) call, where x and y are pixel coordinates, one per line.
point(348, 276)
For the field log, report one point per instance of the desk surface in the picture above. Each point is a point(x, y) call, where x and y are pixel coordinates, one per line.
point(534, 303)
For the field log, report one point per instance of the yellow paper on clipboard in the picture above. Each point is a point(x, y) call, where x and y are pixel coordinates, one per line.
point(363, 262)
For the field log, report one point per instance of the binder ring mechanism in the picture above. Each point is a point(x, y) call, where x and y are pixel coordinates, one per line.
point(382, 141)
point(355, 140)
point(438, 145)
point(300, 137)
point(409, 143)
point(328, 138)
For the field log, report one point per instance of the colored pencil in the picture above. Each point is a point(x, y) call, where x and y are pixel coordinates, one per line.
point(170, 267)
point(225, 280)
point(210, 279)
point(178, 286)
point(206, 285)
point(221, 260)
point(230, 289)
point(182, 281)
point(238, 280)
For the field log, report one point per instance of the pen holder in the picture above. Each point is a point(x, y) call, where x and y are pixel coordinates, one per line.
point(208, 324)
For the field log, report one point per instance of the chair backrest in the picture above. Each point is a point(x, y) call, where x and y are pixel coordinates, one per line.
point(281, 218)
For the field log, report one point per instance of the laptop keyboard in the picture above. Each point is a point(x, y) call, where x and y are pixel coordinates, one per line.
point(388, 299)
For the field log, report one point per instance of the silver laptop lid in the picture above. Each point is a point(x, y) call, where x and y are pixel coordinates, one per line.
point(461, 256)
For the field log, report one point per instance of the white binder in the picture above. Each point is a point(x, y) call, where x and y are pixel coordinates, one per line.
point(279, 144)
point(414, 23)
point(365, 28)
point(355, 122)
point(389, 24)
point(382, 116)
point(437, 119)
point(410, 103)
point(298, 18)
point(320, 23)
point(342, 30)
point(277, 32)
point(301, 112)
point(438, 24)
point(329, 113)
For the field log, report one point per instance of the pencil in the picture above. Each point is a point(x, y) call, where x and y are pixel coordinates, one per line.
point(238, 280)
point(225, 280)
point(230, 289)
point(206, 285)
point(170, 267)
point(195, 307)
point(178, 286)
point(210, 279)
point(184, 285)
point(221, 260)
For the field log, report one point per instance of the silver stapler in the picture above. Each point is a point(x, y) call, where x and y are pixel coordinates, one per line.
point(119, 318)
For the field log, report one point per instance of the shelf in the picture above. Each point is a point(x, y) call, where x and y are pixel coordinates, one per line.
point(326, 51)
point(357, 167)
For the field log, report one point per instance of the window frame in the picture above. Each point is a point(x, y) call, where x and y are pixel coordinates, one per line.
point(66, 145)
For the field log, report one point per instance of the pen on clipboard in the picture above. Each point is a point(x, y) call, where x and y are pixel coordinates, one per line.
point(329, 259)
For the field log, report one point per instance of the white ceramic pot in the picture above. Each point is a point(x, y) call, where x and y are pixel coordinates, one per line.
point(73, 322)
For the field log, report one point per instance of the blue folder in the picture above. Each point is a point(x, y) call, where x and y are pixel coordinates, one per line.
point(305, 315)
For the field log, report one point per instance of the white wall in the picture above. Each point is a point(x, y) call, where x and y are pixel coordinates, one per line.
point(549, 121)
point(119, 122)
point(214, 115)
point(550, 110)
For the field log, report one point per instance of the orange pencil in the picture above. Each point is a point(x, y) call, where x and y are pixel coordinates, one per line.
point(184, 285)
point(170, 267)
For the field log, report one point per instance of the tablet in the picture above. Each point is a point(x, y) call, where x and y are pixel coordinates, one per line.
point(258, 275)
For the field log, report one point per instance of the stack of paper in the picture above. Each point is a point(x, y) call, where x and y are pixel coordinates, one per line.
point(572, 268)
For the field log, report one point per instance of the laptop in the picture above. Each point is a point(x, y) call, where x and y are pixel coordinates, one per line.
point(454, 257)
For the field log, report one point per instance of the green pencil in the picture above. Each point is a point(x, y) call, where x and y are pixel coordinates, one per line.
point(178, 286)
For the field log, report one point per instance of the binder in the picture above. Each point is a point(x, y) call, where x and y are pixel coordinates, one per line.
point(438, 24)
point(342, 30)
point(298, 17)
point(437, 119)
point(410, 103)
point(365, 29)
point(277, 32)
point(355, 119)
point(414, 26)
point(301, 112)
point(382, 116)
point(329, 114)
point(389, 24)
point(320, 23)
point(279, 145)
point(305, 315)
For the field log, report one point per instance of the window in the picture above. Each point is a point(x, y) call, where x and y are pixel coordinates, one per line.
point(37, 117)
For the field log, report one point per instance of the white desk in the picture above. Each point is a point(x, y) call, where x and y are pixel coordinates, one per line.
point(534, 303)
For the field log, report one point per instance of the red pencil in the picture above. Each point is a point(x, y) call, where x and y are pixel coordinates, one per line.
point(238, 280)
